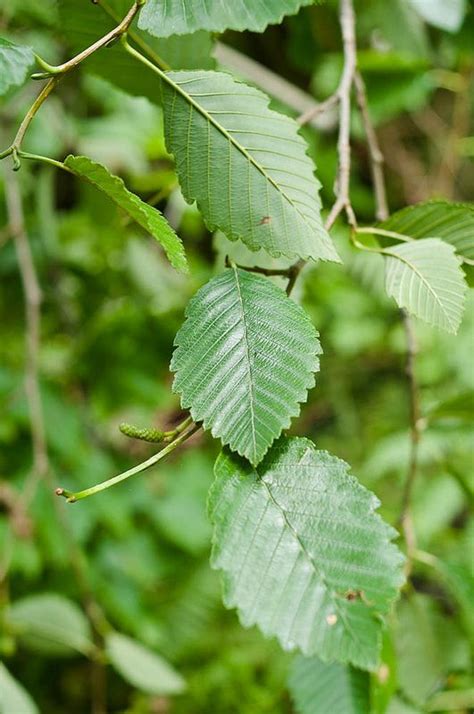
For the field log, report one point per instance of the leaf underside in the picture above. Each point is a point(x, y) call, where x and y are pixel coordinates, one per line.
point(145, 215)
point(184, 16)
point(318, 687)
point(15, 63)
point(426, 279)
point(304, 555)
point(245, 358)
point(453, 222)
point(245, 165)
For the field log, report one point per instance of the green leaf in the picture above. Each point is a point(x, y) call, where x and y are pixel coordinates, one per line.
point(145, 215)
point(16, 62)
point(459, 407)
point(83, 22)
point(445, 14)
point(14, 699)
point(51, 625)
point(244, 360)
point(304, 554)
point(141, 667)
point(317, 687)
point(244, 164)
point(426, 279)
point(184, 16)
point(453, 222)
point(419, 658)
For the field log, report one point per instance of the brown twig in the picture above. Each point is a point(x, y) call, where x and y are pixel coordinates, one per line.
point(376, 156)
point(343, 203)
point(310, 114)
point(342, 96)
point(32, 293)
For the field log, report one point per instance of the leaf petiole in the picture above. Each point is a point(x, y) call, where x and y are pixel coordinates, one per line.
point(72, 497)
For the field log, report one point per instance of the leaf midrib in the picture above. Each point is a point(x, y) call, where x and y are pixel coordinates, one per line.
point(403, 259)
point(334, 599)
point(233, 141)
point(249, 370)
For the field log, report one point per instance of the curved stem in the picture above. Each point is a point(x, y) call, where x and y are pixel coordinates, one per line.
point(56, 72)
point(383, 232)
point(45, 160)
point(79, 495)
point(114, 34)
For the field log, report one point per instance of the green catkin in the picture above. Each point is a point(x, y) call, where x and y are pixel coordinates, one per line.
point(148, 434)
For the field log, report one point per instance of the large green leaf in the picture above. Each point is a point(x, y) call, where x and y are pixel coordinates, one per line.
point(244, 360)
point(50, 624)
point(426, 279)
point(145, 215)
point(83, 22)
point(141, 667)
point(184, 16)
point(453, 222)
point(244, 164)
point(304, 554)
point(317, 687)
point(15, 63)
point(14, 699)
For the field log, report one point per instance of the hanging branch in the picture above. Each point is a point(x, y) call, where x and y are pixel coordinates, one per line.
point(32, 293)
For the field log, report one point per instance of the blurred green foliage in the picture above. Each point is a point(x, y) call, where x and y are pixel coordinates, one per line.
point(111, 307)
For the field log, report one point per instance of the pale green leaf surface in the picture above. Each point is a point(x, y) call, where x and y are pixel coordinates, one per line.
point(445, 14)
point(141, 667)
point(453, 222)
point(245, 358)
point(426, 279)
point(183, 16)
point(245, 165)
point(50, 624)
point(145, 215)
point(304, 555)
point(318, 687)
point(15, 63)
point(14, 699)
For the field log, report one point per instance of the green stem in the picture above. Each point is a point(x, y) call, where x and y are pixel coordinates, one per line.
point(45, 160)
point(72, 497)
point(383, 232)
point(56, 72)
point(357, 244)
point(14, 148)
point(136, 38)
point(114, 34)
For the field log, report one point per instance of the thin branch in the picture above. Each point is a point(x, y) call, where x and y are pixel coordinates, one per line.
point(32, 292)
point(54, 74)
point(79, 495)
point(343, 97)
point(107, 39)
point(376, 156)
point(310, 114)
point(343, 203)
